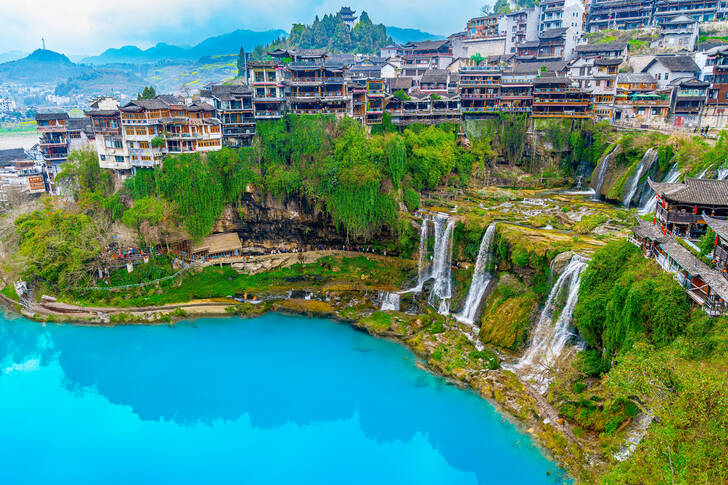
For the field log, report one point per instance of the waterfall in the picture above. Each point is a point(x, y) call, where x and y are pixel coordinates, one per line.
point(549, 338)
point(722, 173)
point(671, 178)
point(647, 160)
point(601, 174)
point(422, 272)
point(701, 175)
point(481, 279)
point(441, 264)
point(390, 301)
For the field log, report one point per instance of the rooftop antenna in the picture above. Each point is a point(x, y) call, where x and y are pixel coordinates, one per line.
point(42, 39)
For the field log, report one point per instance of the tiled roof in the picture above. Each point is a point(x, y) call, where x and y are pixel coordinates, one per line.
point(51, 116)
point(635, 77)
point(614, 61)
point(594, 48)
point(694, 191)
point(675, 63)
point(12, 154)
point(718, 225)
point(434, 76)
point(552, 33)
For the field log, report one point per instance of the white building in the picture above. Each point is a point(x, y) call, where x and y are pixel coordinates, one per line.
point(520, 26)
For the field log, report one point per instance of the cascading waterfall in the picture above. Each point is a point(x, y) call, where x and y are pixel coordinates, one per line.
point(441, 264)
point(701, 175)
point(390, 301)
point(601, 174)
point(481, 279)
point(422, 270)
point(549, 338)
point(722, 173)
point(672, 176)
point(648, 159)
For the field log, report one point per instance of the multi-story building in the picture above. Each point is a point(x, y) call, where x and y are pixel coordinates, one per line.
point(620, 14)
point(234, 107)
point(480, 89)
point(516, 92)
point(668, 68)
point(558, 43)
point(715, 113)
point(422, 108)
point(306, 81)
point(266, 79)
point(558, 14)
point(615, 49)
point(164, 125)
point(638, 99)
point(554, 97)
point(700, 10)
point(688, 100)
point(677, 34)
point(349, 17)
point(486, 26)
point(420, 56)
point(374, 101)
point(111, 146)
point(519, 27)
point(605, 87)
point(53, 140)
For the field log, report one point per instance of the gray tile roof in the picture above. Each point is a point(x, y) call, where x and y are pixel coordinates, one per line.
point(675, 63)
point(434, 76)
point(552, 33)
point(51, 116)
point(635, 77)
point(694, 191)
point(718, 225)
point(12, 154)
point(595, 48)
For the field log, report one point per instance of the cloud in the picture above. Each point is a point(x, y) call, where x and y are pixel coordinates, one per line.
point(91, 26)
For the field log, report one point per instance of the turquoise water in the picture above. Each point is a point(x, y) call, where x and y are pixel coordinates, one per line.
point(275, 400)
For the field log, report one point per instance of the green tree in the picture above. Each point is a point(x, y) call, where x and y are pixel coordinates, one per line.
point(147, 93)
point(242, 62)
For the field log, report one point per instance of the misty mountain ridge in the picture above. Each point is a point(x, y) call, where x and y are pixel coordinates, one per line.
point(229, 43)
point(402, 36)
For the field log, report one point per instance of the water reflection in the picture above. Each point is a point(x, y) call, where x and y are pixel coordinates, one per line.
point(276, 371)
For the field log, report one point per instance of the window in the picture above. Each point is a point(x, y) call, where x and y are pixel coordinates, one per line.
point(119, 159)
point(667, 75)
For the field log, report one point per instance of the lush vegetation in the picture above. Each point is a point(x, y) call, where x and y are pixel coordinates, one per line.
point(332, 34)
point(655, 355)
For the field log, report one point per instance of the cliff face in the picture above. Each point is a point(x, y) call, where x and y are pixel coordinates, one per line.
point(265, 223)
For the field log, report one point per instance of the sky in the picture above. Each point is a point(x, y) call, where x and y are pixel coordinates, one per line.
point(77, 27)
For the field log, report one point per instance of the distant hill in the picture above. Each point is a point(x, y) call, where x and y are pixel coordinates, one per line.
point(219, 45)
point(41, 66)
point(12, 55)
point(402, 36)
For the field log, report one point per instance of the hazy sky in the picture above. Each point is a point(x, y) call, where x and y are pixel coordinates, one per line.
point(91, 26)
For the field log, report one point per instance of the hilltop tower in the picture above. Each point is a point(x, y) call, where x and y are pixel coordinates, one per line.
point(349, 16)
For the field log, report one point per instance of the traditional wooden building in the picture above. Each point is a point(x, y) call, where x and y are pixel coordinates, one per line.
point(704, 285)
point(681, 206)
point(53, 140)
point(720, 249)
point(234, 106)
point(266, 79)
point(554, 97)
point(480, 89)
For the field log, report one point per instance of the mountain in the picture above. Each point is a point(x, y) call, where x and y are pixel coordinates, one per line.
point(402, 36)
point(12, 55)
point(213, 46)
point(42, 66)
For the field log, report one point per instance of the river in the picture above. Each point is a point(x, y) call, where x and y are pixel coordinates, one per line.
point(18, 140)
point(272, 400)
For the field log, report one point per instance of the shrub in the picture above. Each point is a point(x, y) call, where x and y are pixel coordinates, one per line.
point(411, 199)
